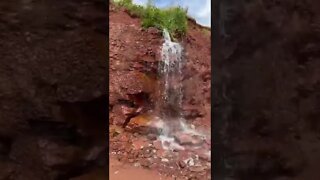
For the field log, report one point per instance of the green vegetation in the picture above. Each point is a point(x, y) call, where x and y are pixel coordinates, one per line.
point(173, 19)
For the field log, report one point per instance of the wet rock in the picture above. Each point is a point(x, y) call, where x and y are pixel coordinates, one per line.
point(152, 137)
point(182, 164)
point(203, 154)
point(187, 139)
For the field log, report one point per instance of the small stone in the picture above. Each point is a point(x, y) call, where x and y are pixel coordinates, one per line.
point(188, 139)
point(145, 163)
point(189, 161)
point(183, 139)
point(165, 160)
point(182, 164)
point(137, 164)
point(203, 154)
point(152, 137)
point(127, 110)
point(197, 140)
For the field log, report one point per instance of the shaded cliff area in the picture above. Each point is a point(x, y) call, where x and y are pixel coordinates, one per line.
point(269, 83)
point(52, 88)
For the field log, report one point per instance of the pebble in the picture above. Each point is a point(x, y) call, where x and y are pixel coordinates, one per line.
point(152, 137)
point(182, 164)
point(137, 164)
point(165, 160)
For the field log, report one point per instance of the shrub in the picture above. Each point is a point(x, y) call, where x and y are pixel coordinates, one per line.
point(173, 19)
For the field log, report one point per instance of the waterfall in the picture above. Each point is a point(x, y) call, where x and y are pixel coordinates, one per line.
point(169, 114)
point(170, 85)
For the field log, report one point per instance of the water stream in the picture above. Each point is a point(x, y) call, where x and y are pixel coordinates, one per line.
point(170, 89)
point(169, 105)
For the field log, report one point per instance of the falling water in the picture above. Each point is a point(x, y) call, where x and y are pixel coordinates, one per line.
point(170, 89)
point(169, 105)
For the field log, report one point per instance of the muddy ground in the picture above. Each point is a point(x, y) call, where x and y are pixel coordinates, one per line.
point(52, 88)
point(269, 107)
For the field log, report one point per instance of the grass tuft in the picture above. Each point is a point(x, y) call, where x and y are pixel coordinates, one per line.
point(173, 19)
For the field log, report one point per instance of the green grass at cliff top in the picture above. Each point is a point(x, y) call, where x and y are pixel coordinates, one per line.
point(173, 19)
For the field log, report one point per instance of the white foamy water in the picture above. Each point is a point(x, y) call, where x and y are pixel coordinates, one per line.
point(170, 85)
point(169, 105)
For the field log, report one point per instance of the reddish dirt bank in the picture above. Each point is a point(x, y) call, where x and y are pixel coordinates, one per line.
point(120, 171)
point(52, 88)
point(134, 57)
point(270, 103)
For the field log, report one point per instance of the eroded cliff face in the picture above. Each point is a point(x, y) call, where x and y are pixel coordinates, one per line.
point(52, 88)
point(134, 59)
point(135, 54)
point(271, 105)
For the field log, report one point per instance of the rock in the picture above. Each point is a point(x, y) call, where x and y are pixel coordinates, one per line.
point(145, 163)
point(127, 110)
point(164, 160)
point(187, 139)
point(189, 161)
point(157, 145)
point(204, 155)
point(152, 137)
point(182, 164)
point(197, 140)
point(197, 168)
